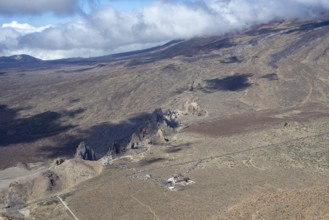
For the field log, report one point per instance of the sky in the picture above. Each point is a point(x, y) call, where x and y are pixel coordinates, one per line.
point(54, 29)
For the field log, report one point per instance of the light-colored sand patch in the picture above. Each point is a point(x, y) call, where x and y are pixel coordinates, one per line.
point(12, 174)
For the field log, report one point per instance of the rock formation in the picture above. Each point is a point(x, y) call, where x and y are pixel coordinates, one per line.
point(85, 152)
point(59, 161)
point(194, 109)
point(51, 179)
point(154, 131)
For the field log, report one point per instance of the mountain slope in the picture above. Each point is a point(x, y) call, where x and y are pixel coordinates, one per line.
point(250, 116)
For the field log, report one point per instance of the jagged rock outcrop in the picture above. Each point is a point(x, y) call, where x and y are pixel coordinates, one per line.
point(156, 130)
point(85, 152)
point(51, 179)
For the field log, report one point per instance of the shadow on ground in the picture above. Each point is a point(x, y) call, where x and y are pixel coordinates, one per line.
point(233, 59)
point(64, 146)
point(15, 130)
point(178, 148)
point(271, 76)
point(231, 83)
point(103, 136)
point(151, 161)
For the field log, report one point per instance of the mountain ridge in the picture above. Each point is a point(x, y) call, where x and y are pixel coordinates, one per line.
point(172, 48)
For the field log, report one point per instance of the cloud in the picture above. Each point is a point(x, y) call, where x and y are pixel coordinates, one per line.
point(24, 28)
point(35, 7)
point(106, 30)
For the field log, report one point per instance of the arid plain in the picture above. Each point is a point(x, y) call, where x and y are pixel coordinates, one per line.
point(249, 125)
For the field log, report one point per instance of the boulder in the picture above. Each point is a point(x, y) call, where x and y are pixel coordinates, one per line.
point(59, 161)
point(194, 109)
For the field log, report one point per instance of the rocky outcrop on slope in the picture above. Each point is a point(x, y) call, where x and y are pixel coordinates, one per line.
point(85, 152)
point(194, 109)
point(156, 130)
point(47, 183)
point(51, 180)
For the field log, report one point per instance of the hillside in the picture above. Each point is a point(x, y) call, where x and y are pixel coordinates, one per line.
point(243, 116)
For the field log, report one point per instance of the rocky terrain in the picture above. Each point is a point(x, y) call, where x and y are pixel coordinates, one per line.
point(221, 127)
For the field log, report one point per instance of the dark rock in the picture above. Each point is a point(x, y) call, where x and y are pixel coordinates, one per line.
point(191, 86)
point(153, 131)
point(117, 147)
point(59, 161)
point(232, 59)
point(271, 76)
point(52, 179)
point(85, 152)
point(157, 117)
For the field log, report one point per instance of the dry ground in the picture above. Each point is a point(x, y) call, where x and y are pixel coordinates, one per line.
point(260, 152)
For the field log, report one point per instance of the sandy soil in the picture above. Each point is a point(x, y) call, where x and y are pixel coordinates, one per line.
point(260, 150)
point(236, 124)
point(17, 173)
point(309, 203)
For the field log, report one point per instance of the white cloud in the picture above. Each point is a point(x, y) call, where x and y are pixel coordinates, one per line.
point(107, 31)
point(8, 40)
point(24, 28)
